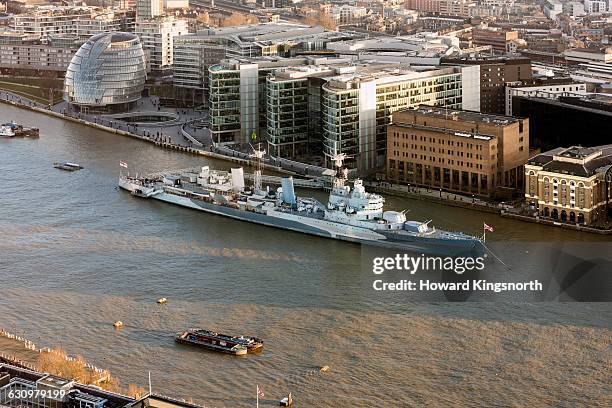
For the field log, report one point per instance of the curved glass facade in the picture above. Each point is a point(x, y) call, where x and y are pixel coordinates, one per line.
point(109, 69)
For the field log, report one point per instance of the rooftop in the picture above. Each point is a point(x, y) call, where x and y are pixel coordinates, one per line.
point(463, 115)
point(115, 37)
point(575, 160)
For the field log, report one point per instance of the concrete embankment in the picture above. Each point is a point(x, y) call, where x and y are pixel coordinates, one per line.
point(446, 200)
point(573, 227)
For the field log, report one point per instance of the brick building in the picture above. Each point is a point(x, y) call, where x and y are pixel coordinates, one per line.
point(457, 150)
point(495, 72)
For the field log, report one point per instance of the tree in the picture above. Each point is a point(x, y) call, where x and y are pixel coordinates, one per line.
point(135, 391)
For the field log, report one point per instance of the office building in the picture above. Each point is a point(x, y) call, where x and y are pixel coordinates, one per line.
point(195, 53)
point(294, 125)
point(548, 89)
point(107, 74)
point(495, 72)
point(354, 99)
point(238, 104)
point(457, 150)
point(357, 105)
point(571, 184)
point(560, 121)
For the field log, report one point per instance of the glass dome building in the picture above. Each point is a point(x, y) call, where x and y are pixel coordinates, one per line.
point(107, 74)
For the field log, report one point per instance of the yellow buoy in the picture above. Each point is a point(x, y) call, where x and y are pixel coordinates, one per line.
point(118, 324)
point(324, 369)
point(161, 301)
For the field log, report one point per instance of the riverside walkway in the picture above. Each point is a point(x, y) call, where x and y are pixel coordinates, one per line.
point(186, 130)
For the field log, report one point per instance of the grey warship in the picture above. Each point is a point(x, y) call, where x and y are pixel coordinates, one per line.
point(351, 214)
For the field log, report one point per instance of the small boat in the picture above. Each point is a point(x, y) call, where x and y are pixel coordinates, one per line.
point(236, 345)
point(118, 324)
point(162, 301)
point(67, 166)
point(6, 131)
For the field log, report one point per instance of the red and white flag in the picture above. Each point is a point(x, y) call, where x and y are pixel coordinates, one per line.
point(488, 227)
point(260, 392)
point(123, 164)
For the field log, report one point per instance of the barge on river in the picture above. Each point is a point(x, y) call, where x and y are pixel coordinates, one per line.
point(236, 345)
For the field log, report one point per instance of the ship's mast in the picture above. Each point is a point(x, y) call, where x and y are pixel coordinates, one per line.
point(341, 173)
point(257, 155)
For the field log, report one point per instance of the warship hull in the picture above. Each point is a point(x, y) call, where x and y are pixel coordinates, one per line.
point(329, 229)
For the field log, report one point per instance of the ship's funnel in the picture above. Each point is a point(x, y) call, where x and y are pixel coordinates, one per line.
point(288, 191)
point(238, 179)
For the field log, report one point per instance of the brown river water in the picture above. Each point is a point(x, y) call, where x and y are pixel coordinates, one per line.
point(76, 254)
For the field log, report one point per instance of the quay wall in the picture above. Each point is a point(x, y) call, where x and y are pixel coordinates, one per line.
point(427, 197)
point(573, 227)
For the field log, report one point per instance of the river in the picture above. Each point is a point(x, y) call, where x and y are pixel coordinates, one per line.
point(76, 254)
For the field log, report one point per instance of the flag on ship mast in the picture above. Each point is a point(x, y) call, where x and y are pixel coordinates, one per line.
point(253, 135)
point(485, 228)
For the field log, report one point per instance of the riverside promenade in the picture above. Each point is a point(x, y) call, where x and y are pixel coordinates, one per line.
point(184, 130)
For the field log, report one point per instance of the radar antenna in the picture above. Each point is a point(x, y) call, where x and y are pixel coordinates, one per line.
point(338, 159)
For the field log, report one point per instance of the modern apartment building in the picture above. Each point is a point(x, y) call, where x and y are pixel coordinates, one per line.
point(355, 101)
point(192, 58)
point(457, 150)
point(157, 37)
point(552, 8)
point(80, 21)
point(570, 184)
point(27, 55)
